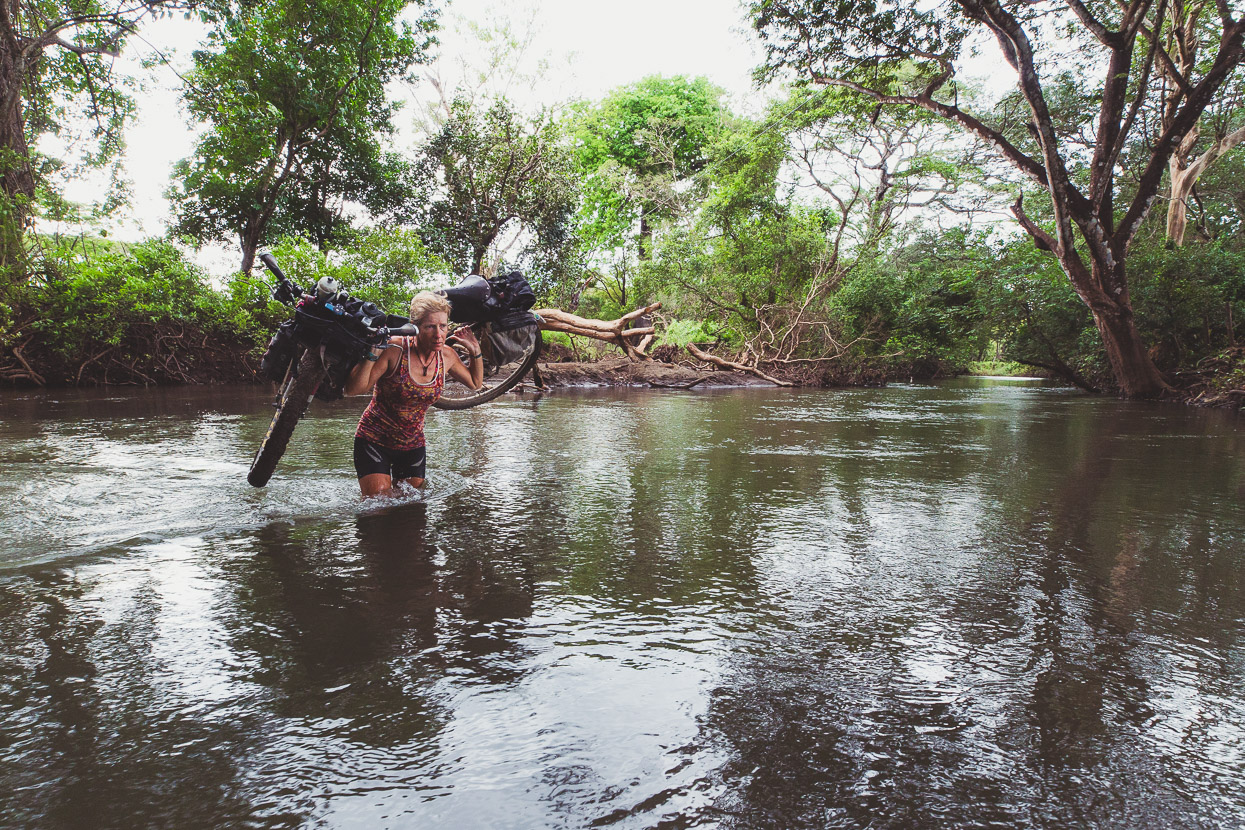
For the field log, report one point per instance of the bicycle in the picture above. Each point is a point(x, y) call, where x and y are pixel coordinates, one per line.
point(311, 355)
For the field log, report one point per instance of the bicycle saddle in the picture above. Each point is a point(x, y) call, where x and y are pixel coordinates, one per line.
point(473, 288)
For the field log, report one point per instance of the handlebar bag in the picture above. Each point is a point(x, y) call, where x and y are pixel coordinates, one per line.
point(281, 350)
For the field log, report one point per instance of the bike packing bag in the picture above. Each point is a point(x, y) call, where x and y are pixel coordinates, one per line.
point(333, 387)
point(512, 336)
point(512, 292)
point(281, 350)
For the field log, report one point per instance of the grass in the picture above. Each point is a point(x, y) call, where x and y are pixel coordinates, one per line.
point(1001, 368)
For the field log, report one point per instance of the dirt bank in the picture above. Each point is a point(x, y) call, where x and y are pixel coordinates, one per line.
point(619, 371)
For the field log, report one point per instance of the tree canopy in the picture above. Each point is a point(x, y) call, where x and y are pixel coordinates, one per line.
point(637, 144)
point(293, 92)
point(493, 175)
point(869, 46)
point(56, 78)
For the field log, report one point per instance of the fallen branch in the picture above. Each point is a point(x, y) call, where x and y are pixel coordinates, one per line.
point(738, 367)
point(609, 331)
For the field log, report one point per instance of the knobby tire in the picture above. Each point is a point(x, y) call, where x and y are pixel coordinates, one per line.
point(295, 396)
point(496, 389)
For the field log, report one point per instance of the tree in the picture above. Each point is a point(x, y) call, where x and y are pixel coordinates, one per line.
point(880, 167)
point(1214, 135)
point(491, 176)
point(56, 56)
point(294, 93)
point(864, 44)
point(638, 145)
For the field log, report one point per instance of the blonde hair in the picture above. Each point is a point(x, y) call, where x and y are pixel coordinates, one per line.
point(425, 303)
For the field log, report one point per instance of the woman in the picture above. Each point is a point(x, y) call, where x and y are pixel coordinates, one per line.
point(408, 375)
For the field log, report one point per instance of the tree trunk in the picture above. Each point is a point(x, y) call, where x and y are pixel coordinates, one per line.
point(250, 244)
point(646, 236)
point(612, 331)
point(1184, 176)
point(17, 184)
point(1130, 361)
point(1177, 209)
point(1103, 287)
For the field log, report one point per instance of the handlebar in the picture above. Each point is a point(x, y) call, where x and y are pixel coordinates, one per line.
point(271, 264)
point(409, 330)
point(289, 293)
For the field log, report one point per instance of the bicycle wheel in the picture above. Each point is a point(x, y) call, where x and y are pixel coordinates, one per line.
point(296, 393)
point(497, 379)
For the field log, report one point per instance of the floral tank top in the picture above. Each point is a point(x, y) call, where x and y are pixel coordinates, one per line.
point(395, 417)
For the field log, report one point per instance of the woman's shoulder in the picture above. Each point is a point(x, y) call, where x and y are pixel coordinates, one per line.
point(392, 358)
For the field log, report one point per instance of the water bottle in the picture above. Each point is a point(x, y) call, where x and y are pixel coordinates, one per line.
point(326, 287)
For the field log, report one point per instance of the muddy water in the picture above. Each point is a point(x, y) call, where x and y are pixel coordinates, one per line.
point(982, 604)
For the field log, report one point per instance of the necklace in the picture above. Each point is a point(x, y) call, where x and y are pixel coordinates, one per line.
point(427, 364)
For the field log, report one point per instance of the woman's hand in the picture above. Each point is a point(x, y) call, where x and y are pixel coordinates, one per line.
point(364, 375)
point(473, 377)
point(467, 338)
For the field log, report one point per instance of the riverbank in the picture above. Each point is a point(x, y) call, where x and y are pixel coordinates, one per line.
point(620, 371)
point(167, 356)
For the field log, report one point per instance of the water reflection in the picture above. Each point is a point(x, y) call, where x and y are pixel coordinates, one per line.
point(954, 606)
point(1018, 683)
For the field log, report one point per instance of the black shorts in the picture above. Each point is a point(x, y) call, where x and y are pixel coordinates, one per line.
point(399, 465)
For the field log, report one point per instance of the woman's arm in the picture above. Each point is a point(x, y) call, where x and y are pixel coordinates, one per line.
point(472, 378)
point(364, 376)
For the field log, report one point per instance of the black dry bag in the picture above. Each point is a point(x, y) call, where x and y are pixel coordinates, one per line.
point(281, 350)
point(512, 292)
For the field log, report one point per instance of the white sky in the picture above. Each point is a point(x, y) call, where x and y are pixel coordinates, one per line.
point(590, 48)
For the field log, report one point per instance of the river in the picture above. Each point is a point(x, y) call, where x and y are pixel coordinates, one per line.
point(973, 604)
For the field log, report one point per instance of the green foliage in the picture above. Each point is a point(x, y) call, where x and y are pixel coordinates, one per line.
point(600, 305)
point(294, 95)
point(149, 314)
point(764, 259)
point(493, 174)
point(1000, 369)
point(385, 266)
point(556, 338)
point(101, 293)
point(940, 314)
point(655, 124)
point(681, 332)
point(1031, 309)
point(632, 148)
point(875, 41)
point(1181, 297)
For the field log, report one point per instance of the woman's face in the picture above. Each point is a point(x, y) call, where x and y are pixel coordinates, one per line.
point(433, 329)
